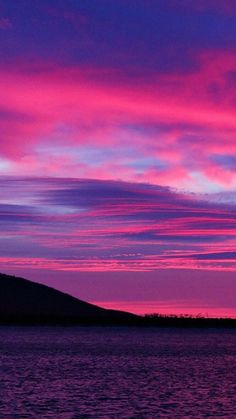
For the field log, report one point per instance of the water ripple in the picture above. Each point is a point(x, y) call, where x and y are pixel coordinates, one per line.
point(117, 373)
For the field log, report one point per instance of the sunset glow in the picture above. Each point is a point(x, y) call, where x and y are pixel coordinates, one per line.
point(118, 151)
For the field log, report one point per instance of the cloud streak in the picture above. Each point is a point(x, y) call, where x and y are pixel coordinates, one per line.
point(67, 120)
point(91, 225)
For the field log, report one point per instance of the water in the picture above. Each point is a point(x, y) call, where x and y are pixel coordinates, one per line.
point(117, 373)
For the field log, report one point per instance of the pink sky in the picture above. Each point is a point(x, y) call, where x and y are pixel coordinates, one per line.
point(118, 150)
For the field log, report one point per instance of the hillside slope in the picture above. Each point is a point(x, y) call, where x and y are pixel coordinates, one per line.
point(23, 301)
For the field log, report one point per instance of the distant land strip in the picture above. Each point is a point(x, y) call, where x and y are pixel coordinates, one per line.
point(27, 303)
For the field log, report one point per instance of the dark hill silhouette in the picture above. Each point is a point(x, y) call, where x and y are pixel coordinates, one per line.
point(26, 302)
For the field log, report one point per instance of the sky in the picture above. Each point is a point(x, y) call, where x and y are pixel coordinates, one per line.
point(118, 151)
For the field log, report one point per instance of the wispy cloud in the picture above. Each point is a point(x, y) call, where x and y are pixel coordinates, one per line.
point(90, 225)
point(175, 130)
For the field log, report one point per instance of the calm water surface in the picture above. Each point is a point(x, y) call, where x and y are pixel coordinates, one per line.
point(117, 373)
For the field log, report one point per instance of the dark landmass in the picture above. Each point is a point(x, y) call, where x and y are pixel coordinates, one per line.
point(26, 302)
point(188, 321)
point(23, 302)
